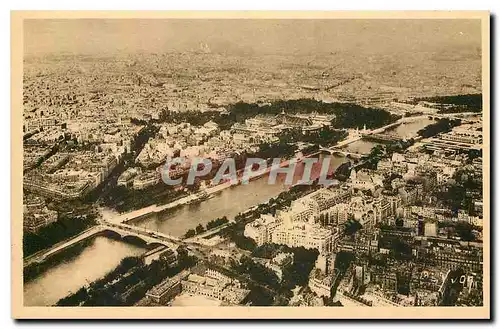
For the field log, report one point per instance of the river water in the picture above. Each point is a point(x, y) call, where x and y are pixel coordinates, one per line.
point(89, 265)
point(405, 130)
point(410, 129)
point(228, 202)
point(236, 199)
point(361, 146)
point(99, 256)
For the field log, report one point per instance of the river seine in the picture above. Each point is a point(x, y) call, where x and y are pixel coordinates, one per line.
point(98, 256)
point(70, 274)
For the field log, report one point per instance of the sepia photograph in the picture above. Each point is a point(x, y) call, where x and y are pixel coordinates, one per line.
point(315, 165)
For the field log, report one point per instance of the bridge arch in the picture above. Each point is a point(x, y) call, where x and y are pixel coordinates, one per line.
point(331, 151)
point(129, 238)
point(153, 245)
point(110, 234)
point(136, 240)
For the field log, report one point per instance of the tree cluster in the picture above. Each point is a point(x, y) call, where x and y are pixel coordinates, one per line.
point(441, 126)
point(456, 103)
point(127, 283)
point(55, 232)
point(210, 225)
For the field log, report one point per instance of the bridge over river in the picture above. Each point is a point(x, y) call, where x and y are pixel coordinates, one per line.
point(340, 151)
point(122, 231)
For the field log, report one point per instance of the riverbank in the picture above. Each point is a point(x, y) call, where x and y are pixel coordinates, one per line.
point(68, 271)
point(28, 260)
point(230, 198)
point(128, 217)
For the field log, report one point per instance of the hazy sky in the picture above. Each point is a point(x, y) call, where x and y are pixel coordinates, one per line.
point(101, 36)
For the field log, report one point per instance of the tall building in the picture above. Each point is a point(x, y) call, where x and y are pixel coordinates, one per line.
point(305, 235)
point(261, 229)
point(32, 222)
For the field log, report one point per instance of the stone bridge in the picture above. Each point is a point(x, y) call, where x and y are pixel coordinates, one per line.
point(340, 151)
point(124, 232)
